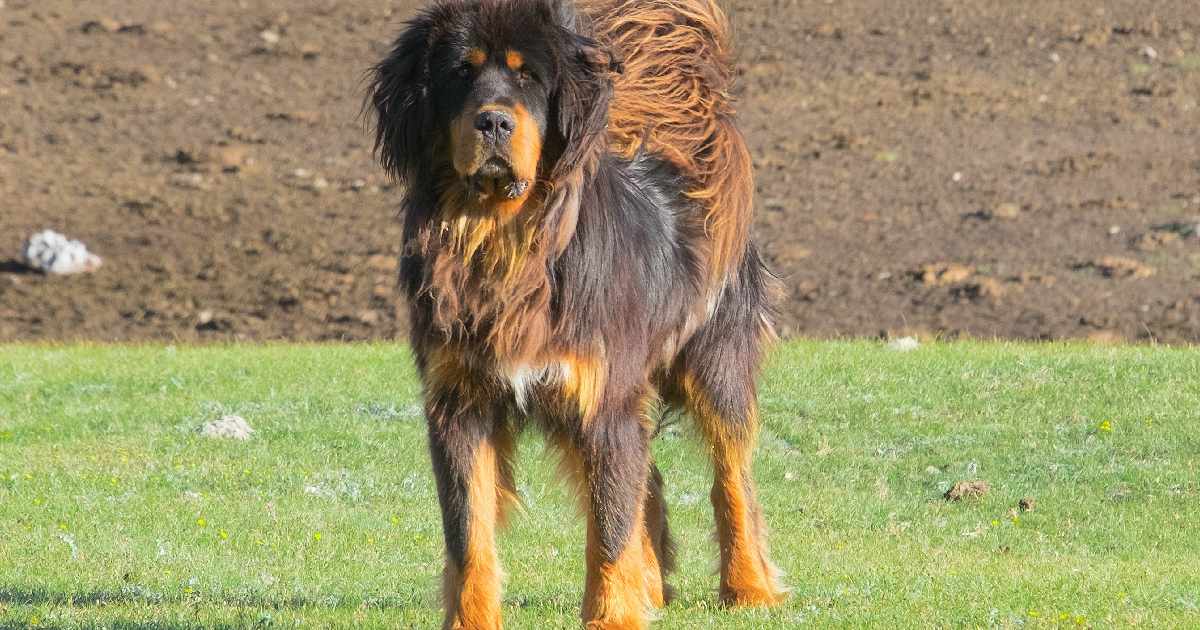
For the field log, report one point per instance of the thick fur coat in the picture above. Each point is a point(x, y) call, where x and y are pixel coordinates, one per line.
point(577, 257)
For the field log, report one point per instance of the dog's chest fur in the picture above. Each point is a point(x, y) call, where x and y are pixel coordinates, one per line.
point(524, 378)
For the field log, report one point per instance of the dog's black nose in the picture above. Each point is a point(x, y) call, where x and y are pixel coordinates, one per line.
point(495, 124)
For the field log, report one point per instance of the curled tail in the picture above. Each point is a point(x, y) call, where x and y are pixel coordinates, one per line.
point(674, 100)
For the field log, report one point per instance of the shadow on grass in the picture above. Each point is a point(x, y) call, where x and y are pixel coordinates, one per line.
point(141, 596)
point(132, 625)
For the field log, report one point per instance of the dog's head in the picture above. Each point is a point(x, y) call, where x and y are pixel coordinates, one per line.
point(495, 96)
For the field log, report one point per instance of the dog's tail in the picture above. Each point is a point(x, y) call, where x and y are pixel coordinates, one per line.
point(674, 100)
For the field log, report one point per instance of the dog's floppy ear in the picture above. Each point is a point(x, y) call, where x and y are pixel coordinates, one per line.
point(581, 100)
point(580, 115)
point(399, 92)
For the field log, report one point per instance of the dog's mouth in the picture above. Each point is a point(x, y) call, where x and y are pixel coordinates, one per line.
point(495, 179)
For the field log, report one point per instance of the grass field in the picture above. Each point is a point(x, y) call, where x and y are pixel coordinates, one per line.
point(115, 512)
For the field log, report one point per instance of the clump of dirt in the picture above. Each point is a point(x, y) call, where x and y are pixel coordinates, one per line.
point(945, 274)
point(228, 428)
point(1120, 268)
point(1027, 504)
point(968, 490)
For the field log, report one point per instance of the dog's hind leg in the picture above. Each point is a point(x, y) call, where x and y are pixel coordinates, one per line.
point(658, 547)
point(471, 445)
point(748, 578)
point(714, 380)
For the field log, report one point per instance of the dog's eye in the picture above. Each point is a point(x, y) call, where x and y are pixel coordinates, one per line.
point(465, 70)
point(526, 76)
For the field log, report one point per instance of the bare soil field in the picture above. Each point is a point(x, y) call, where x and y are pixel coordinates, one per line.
point(1020, 169)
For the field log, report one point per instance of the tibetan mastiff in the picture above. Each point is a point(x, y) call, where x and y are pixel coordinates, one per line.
point(577, 257)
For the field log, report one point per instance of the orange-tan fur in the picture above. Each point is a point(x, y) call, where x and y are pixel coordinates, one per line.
point(748, 578)
point(674, 99)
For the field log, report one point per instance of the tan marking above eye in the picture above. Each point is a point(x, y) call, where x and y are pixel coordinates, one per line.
point(515, 60)
point(476, 57)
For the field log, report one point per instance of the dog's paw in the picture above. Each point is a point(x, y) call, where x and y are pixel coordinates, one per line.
point(759, 596)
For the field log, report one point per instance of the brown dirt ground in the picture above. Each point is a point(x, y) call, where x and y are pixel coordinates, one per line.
point(1027, 168)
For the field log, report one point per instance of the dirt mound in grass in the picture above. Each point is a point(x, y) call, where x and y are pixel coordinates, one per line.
point(968, 168)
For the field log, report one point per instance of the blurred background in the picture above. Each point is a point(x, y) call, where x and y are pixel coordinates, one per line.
point(1018, 169)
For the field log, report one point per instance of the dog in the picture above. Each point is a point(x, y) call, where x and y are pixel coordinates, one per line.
point(577, 257)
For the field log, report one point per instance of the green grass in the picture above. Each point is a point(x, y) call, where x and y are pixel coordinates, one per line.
point(114, 511)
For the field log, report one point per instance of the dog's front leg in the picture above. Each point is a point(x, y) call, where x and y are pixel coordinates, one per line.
point(471, 445)
point(622, 574)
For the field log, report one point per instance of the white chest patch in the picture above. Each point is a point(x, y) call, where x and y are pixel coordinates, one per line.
point(524, 377)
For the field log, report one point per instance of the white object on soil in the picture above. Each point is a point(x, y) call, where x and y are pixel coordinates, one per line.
point(904, 344)
point(51, 252)
point(228, 428)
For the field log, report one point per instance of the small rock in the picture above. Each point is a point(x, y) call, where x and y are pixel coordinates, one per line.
point(106, 24)
point(228, 428)
point(1007, 211)
point(1097, 38)
point(967, 490)
point(270, 37)
point(190, 181)
point(310, 51)
point(150, 74)
point(904, 344)
point(1149, 53)
point(943, 274)
point(241, 134)
point(1118, 267)
point(1027, 504)
point(317, 184)
point(52, 253)
point(988, 288)
point(232, 157)
point(302, 116)
point(1154, 240)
